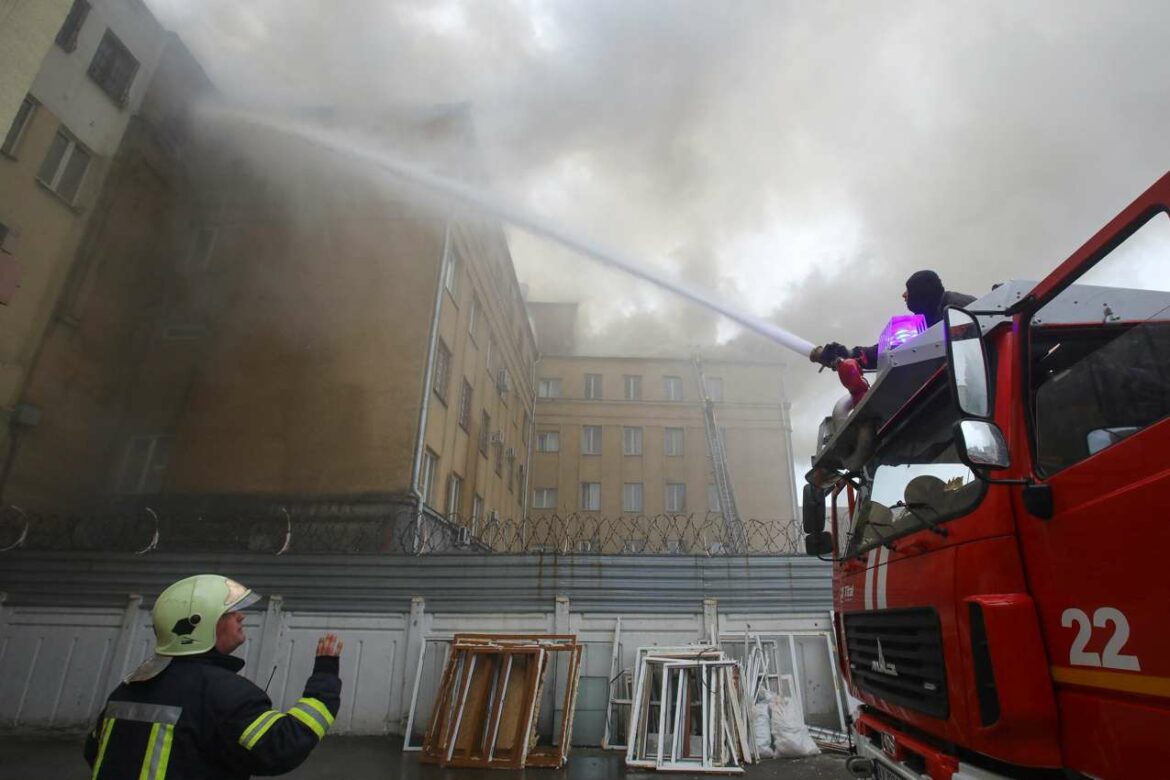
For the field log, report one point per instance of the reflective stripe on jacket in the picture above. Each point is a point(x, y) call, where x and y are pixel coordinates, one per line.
point(199, 719)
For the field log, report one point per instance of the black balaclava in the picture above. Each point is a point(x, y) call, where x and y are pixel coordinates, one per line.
point(924, 292)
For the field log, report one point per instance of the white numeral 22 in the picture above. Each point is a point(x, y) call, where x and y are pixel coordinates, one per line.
point(1111, 657)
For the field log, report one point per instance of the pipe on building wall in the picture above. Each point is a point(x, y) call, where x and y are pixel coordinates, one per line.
point(428, 373)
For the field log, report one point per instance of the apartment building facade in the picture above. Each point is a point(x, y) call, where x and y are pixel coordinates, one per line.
point(56, 153)
point(623, 450)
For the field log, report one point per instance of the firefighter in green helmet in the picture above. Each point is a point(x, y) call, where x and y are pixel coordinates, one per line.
point(187, 713)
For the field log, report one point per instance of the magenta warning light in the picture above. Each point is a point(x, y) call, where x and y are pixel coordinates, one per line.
point(901, 328)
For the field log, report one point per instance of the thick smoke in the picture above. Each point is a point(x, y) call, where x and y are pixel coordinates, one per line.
point(800, 158)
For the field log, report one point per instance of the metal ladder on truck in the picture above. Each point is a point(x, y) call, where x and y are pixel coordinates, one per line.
point(734, 534)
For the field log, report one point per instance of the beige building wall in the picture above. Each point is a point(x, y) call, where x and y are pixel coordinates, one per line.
point(750, 415)
point(27, 29)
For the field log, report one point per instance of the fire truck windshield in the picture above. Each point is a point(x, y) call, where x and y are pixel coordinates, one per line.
point(914, 481)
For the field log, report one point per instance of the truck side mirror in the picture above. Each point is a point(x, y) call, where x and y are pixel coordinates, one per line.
point(818, 544)
point(967, 364)
point(813, 510)
point(981, 445)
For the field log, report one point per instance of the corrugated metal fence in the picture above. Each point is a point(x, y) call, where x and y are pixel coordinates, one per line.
point(71, 625)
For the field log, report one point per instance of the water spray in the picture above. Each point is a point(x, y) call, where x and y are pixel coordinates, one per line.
point(361, 149)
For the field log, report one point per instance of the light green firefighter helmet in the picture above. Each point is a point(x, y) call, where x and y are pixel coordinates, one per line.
point(186, 613)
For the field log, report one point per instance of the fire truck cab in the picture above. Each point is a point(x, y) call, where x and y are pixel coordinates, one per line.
point(998, 505)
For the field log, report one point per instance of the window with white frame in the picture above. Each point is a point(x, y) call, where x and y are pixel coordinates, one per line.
point(473, 317)
point(587, 546)
point(465, 396)
point(631, 441)
point(64, 167)
point(113, 68)
point(633, 388)
point(144, 464)
point(426, 482)
point(633, 545)
point(452, 270)
point(713, 497)
point(491, 349)
point(548, 388)
point(676, 497)
point(593, 387)
point(16, 130)
point(511, 470)
point(632, 500)
point(544, 498)
point(591, 496)
point(67, 35)
point(715, 388)
point(673, 442)
point(442, 378)
point(454, 496)
point(476, 512)
point(485, 432)
point(591, 440)
point(548, 441)
point(672, 388)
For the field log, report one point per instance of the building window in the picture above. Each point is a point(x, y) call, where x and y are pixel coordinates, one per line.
point(544, 498)
point(548, 441)
point(672, 388)
point(715, 388)
point(633, 545)
point(633, 388)
point(520, 485)
point(499, 458)
point(713, 498)
point(490, 353)
point(593, 386)
point(465, 406)
point(503, 381)
point(476, 513)
point(473, 316)
point(442, 378)
point(485, 427)
point(549, 388)
point(511, 470)
point(676, 497)
point(632, 497)
point(673, 443)
point(451, 272)
point(113, 68)
point(631, 441)
point(591, 440)
point(67, 35)
point(454, 495)
point(19, 123)
point(674, 546)
point(525, 430)
point(199, 258)
point(591, 496)
point(426, 484)
point(144, 464)
point(64, 167)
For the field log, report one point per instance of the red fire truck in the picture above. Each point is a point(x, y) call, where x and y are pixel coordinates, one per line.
point(998, 504)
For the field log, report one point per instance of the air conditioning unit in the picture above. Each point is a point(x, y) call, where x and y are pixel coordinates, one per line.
point(497, 438)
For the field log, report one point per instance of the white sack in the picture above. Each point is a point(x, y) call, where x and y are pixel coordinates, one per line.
point(790, 736)
point(762, 729)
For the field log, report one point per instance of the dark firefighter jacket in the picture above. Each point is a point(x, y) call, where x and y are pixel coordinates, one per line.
point(199, 719)
point(868, 355)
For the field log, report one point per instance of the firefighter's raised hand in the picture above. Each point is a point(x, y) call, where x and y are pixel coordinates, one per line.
point(329, 645)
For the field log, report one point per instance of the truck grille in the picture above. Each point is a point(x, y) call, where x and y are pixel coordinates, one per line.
point(897, 655)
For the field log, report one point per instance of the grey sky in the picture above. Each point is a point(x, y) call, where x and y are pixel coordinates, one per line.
point(800, 158)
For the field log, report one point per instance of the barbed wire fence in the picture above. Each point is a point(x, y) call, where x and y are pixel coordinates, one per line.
point(396, 530)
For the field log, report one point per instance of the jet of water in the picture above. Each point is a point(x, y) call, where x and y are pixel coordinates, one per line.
point(365, 151)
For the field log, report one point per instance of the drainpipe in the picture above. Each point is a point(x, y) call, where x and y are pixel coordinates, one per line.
point(531, 436)
point(786, 422)
point(428, 372)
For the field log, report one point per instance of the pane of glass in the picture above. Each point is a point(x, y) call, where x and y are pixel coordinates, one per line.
point(74, 172)
point(1100, 350)
point(52, 161)
point(18, 123)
